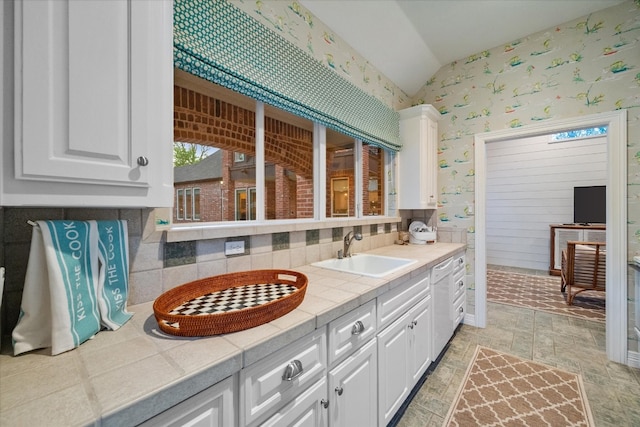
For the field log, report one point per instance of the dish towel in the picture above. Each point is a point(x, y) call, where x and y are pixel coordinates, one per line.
point(76, 282)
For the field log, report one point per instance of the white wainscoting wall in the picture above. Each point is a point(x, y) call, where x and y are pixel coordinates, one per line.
point(530, 186)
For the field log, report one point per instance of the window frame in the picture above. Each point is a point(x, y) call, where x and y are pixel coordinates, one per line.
point(320, 199)
point(179, 203)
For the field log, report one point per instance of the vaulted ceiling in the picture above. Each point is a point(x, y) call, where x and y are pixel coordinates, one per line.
point(410, 40)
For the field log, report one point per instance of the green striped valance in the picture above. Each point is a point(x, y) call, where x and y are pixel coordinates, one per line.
point(216, 41)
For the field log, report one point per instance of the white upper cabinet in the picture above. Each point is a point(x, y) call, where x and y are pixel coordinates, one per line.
point(418, 159)
point(93, 104)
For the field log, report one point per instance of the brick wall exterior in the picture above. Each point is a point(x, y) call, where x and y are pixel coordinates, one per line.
point(201, 119)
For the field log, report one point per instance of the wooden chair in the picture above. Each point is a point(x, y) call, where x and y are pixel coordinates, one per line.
point(583, 267)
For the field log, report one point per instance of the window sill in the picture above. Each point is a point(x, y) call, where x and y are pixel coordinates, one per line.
point(204, 231)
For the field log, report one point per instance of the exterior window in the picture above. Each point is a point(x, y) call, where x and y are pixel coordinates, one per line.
point(196, 204)
point(217, 178)
point(221, 124)
point(339, 196)
point(180, 204)
point(288, 150)
point(188, 211)
point(579, 133)
point(245, 204)
point(373, 180)
point(188, 204)
point(341, 199)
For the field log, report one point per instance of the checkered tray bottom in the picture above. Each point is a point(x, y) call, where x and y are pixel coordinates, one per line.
point(233, 299)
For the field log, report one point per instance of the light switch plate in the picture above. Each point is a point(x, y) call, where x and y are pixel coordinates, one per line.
point(234, 248)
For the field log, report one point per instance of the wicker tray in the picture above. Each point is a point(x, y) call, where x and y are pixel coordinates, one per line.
point(229, 302)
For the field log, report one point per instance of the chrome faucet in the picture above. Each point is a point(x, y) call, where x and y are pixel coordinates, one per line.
point(347, 242)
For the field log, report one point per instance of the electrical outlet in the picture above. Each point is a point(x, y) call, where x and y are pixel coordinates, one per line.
point(234, 248)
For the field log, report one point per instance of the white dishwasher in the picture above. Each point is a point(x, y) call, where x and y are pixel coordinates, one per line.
point(441, 285)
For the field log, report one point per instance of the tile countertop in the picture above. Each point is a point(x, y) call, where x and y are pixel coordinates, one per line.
point(124, 377)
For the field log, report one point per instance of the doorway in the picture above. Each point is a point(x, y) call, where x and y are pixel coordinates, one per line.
point(616, 296)
point(340, 196)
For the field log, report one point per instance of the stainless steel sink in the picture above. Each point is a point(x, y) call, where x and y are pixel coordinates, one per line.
point(366, 264)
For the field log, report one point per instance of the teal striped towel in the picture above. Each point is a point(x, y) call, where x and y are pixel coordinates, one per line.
point(113, 280)
point(69, 291)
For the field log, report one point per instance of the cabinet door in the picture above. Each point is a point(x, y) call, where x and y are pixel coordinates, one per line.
point(213, 407)
point(306, 410)
point(93, 104)
point(353, 386)
point(420, 345)
point(393, 369)
point(418, 162)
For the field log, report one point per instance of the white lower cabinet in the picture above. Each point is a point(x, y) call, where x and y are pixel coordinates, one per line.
point(404, 354)
point(212, 407)
point(393, 369)
point(420, 343)
point(353, 389)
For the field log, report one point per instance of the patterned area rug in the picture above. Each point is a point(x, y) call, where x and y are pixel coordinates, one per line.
point(542, 293)
point(504, 390)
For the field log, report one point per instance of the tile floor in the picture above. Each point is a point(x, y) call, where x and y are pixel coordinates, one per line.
point(575, 345)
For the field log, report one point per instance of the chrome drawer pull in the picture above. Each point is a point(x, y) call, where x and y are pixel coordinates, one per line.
point(339, 390)
point(292, 371)
point(461, 310)
point(324, 403)
point(358, 328)
point(460, 284)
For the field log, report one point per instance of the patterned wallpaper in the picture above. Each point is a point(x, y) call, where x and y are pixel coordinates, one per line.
point(583, 67)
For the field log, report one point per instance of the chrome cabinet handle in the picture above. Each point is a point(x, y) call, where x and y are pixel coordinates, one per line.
point(415, 322)
point(339, 390)
point(142, 161)
point(292, 371)
point(324, 403)
point(461, 310)
point(358, 328)
point(460, 284)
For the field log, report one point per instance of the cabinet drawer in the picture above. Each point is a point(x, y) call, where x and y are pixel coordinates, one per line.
point(263, 386)
point(441, 270)
point(213, 407)
point(459, 308)
point(459, 286)
point(349, 332)
point(458, 263)
point(399, 300)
